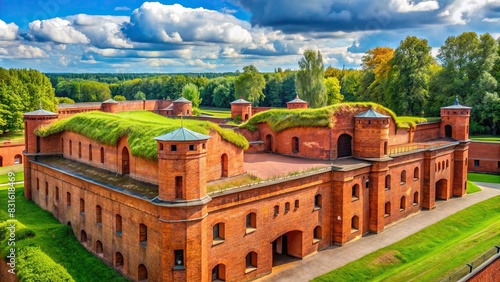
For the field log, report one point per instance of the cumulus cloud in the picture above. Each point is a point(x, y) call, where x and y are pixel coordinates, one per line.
point(21, 51)
point(56, 30)
point(8, 31)
point(463, 11)
point(158, 23)
point(406, 6)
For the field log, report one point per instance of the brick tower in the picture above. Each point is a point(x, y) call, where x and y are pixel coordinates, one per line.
point(242, 108)
point(183, 107)
point(455, 124)
point(297, 103)
point(371, 134)
point(109, 106)
point(182, 192)
point(34, 144)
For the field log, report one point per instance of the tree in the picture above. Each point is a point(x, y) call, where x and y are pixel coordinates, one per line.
point(333, 90)
point(310, 82)
point(249, 85)
point(409, 76)
point(272, 90)
point(376, 68)
point(65, 100)
point(190, 91)
point(350, 84)
point(119, 98)
point(140, 95)
point(223, 93)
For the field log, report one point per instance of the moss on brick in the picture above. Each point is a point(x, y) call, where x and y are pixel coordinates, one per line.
point(140, 127)
point(281, 119)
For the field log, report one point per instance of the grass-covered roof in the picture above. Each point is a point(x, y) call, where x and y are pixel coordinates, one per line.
point(281, 119)
point(140, 127)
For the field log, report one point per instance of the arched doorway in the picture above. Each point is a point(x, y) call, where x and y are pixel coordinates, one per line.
point(448, 131)
point(224, 165)
point(246, 117)
point(269, 143)
point(125, 161)
point(442, 189)
point(287, 248)
point(1, 161)
point(344, 146)
point(219, 272)
point(83, 237)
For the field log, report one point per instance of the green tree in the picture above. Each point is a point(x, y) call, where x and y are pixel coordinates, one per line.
point(409, 76)
point(350, 84)
point(223, 93)
point(140, 95)
point(310, 82)
point(249, 85)
point(190, 91)
point(119, 98)
point(333, 90)
point(272, 91)
point(374, 81)
point(65, 100)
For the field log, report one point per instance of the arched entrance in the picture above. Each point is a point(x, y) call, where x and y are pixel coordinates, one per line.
point(269, 143)
point(442, 189)
point(125, 161)
point(246, 117)
point(1, 161)
point(224, 165)
point(344, 146)
point(448, 131)
point(287, 248)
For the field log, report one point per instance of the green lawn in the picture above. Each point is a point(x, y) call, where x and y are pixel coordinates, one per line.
point(472, 188)
point(216, 112)
point(13, 136)
point(47, 250)
point(433, 253)
point(483, 177)
point(488, 138)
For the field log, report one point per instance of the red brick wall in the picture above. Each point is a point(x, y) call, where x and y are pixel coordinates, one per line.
point(488, 155)
point(9, 152)
point(426, 131)
point(488, 274)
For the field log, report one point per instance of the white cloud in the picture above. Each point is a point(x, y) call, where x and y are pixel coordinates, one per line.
point(8, 31)
point(407, 6)
point(155, 22)
point(21, 51)
point(200, 63)
point(102, 31)
point(491, 20)
point(56, 30)
point(461, 11)
point(122, 8)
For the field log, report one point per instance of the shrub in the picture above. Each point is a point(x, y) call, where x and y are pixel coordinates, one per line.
point(34, 265)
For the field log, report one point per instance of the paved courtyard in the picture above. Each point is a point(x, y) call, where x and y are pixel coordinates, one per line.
point(335, 257)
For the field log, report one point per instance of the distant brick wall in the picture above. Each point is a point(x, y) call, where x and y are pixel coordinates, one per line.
point(11, 154)
point(484, 157)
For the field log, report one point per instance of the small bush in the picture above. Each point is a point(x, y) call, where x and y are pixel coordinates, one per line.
point(35, 265)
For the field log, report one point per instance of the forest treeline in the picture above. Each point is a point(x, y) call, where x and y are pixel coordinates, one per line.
point(406, 79)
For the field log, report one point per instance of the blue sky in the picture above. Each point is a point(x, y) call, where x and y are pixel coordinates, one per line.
point(223, 35)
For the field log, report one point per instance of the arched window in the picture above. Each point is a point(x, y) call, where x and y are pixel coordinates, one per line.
point(80, 150)
point(295, 145)
point(355, 192)
point(367, 184)
point(318, 201)
point(296, 204)
point(82, 206)
point(143, 234)
point(102, 155)
point(344, 146)
point(62, 146)
point(125, 161)
point(118, 259)
point(251, 222)
point(142, 272)
point(38, 145)
point(18, 159)
point(287, 207)
point(415, 198)
point(46, 189)
point(161, 147)
point(276, 210)
point(447, 163)
point(98, 247)
point(83, 236)
point(416, 173)
point(224, 163)
point(448, 131)
point(439, 166)
point(118, 225)
point(403, 177)
point(219, 273)
point(251, 262)
point(318, 234)
point(90, 152)
point(387, 182)
point(98, 214)
point(57, 194)
point(354, 223)
point(387, 209)
point(70, 147)
point(402, 204)
point(218, 233)
point(68, 199)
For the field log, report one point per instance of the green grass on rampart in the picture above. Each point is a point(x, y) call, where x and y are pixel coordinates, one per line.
point(281, 119)
point(141, 127)
point(433, 253)
point(216, 112)
point(472, 187)
point(486, 138)
point(483, 177)
point(47, 250)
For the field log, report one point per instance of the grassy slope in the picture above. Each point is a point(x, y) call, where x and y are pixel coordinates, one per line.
point(56, 241)
point(141, 127)
point(216, 112)
point(13, 136)
point(435, 252)
point(487, 138)
point(483, 177)
point(472, 188)
point(281, 119)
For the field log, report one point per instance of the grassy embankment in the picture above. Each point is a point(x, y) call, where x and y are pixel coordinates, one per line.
point(431, 254)
point(281, 119)
point(47, 250)
point(13, 136)
point(216, 112)
point(486, 138)
point(141, 127)
point(483, 177)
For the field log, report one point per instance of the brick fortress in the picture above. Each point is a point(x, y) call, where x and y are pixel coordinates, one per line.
point(156, 220)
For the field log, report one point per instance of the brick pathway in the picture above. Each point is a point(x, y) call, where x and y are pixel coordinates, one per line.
point(335, 257)
point(271, 165)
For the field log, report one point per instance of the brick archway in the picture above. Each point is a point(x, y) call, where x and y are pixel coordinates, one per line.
point(125, 161)
point(344, 146)
point(442, 189)
point(268, 143)
point(224, 162)
point(287, 247)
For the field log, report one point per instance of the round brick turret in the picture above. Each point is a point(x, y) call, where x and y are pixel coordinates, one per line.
point(183, 107)
point(241, 107)
point(109, 106)
point(297, 103)
point(371, 134)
